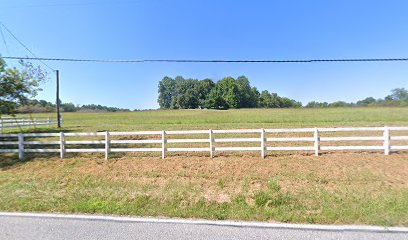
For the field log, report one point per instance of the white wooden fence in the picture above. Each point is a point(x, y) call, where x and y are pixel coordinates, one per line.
point(6, 123)
point(107, 142)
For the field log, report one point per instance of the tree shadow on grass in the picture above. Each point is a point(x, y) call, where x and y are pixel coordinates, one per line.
point(36, 130)
point(8, 160)
point(11, 160)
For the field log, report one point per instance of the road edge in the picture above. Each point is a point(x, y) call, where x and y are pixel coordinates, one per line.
point(226, 223)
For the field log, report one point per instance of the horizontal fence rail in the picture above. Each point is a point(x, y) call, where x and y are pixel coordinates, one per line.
point(7, 123)
point(159, 141)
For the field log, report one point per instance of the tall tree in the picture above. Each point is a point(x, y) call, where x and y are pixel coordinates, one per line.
point(166, 90)
point(229, 91)
point(399, 94)
point(254, 98)
point(17, 86)
point(264, 99)
point(366, 101)
point(244, 92)
point(215, 100)
point(185, 94)
point(204, 88)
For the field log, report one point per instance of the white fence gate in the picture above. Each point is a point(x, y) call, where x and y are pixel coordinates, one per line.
point(159, 141)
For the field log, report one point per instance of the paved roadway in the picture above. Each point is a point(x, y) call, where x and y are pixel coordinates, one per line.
point(38, 226)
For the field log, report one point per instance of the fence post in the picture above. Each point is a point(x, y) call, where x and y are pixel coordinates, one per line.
point(49, 121)
point(263, 143)
point(62, 145)
point(386, 140)
point(20, 146)
point(1, 121)
point(32, 122)
point(163, 143)
point(211, 144)
point(316, 141)
point(107, 145)
point(15, 123)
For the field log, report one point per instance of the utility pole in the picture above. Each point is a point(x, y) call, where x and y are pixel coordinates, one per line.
point(58, 101)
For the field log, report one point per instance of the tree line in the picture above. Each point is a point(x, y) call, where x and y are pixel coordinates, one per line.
point(397, 98)
point(37, 106)
point(181, 93)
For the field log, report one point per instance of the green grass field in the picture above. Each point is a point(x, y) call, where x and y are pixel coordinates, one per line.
point(335, 188)
point(244, 118)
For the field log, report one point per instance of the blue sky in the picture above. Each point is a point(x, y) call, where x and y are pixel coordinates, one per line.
point(207, 29)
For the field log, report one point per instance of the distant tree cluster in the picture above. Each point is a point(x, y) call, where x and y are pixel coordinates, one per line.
point(99, 108)
point(272, 100)
point(397, 98)
point(37, 106)
point(180, 93)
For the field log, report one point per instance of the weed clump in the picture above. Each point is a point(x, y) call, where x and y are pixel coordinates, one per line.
point(273, 196)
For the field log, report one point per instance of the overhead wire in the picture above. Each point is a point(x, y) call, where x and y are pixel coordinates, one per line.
point(4, 40)
point(24, 46)
point(207, 61)
point(73, 4)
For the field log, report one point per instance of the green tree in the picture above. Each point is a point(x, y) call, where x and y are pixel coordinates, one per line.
point(166, 90)
point(215, 100)
point(254, 98)
point(229, 91)
point(265, 99)
point(399, 94)
point(17, 86)
point(286, 102)
point(203, 90)
point(315, 104)
point(185, 94)
point(366, 101)
point(68, 107)
point(268, 100)
point(244, 92)
point(188, 100)
point(276, 101)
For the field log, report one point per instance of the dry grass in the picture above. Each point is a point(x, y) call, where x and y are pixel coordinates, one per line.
point(361, 187)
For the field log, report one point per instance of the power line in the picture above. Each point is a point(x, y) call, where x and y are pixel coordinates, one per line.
point(117, 2)
point(4, 40)
point(208, 61)
point(53, 5)
point(22, 44)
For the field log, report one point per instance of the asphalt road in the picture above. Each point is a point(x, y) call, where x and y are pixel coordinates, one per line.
point(34, 227)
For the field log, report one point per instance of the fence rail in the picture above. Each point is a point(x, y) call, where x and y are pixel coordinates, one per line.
point(6, 123)
point(159, 141)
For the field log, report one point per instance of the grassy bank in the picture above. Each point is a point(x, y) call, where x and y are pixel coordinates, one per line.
point(339, 189)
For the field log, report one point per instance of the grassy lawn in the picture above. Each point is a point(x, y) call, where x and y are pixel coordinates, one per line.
point(339, 188)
